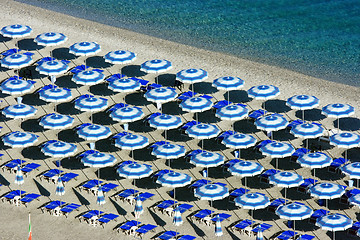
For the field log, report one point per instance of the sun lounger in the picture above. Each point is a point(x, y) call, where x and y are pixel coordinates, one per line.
point(51, 175)
point(224, 135)
point(184, 207)
point(294, 123)
point(286, 235)
point(243, 227)
point(53, 207)
point(125, 163)
point(353, 230)
point(107, 218)
point(69, 208)
point(129, 226)
point(91, 185)
point(141, 231)
point(79, 68)
point(199, 183)
point(264, 177)
point(222, 216)
point(257, 114)
point(150, 87)
point(107, 187)
point(160, 173)
point(165, 205)
point(141, 81)
point(308, 182)
point(275, 204)
point(230, 163)
point(29, 198)
point(127, 194)
point(345, 197)
point(168, 235)
point(221, 104)
point(144, 196)
point(11, 166)
point(13, 196)
point(236, 193)
point(317, 214)
point(336, 164)
point(261, 227)
point(186, 126)
point(68, 176)
point(29, 168)
point(200, 215)
point(299, 153)
point(186, 95)
point(91, 217)
point(185, 237)
point(159, 143)
point(151, 116)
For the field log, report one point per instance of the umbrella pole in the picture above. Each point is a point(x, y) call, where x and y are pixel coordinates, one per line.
point(165, 135)
point(303, 115)
point(294, 229)
point(338, 122)
point(276, 164)
point(202, 144)
point(228, 96)
point(314, 172)
point(245, 183)
point(285, 195)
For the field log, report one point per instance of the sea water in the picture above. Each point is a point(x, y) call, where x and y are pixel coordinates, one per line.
point(320, 38)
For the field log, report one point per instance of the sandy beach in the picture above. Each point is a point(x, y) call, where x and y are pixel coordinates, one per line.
point(44, 226)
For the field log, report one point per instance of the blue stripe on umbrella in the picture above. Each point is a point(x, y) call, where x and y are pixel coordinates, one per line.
point(138, 207)
point(19, 177)
point(334, 222)
point(252, 201)
point(124, 85)
point(120, 57)
point(192, 75)
point(218, 230)
point(56, 121)
point(88, 77)
point(55, 94)
point(239, 141)
point(84, 48)
point(156, 66)
point(203, 131)
point(232, 112)
point(286, 179)
point(15, 31)
point(52, 68)
point(60, 189)
point(302, 102)
point(174, 179)
point(169, 151)
point(58, 149)
point(307, 130)
point(315, 160)
point(177, 221)
point(131, 142)
point(326, 190)
point(161, 95)
point(98, 159)
point(94, 132)
point(345, 140)
point(196, 104)
point(246, 169)
point(15, 61)
point(91, 104)
point(16, 85)
point(277, 149)
point(19, 111)
point(271, 123)
point(338, 110)
point(20, 139)
point(228, 83)
point(211, 192)
point(127, 114)
point(207, 159)
point(165, 122)
point(352, 169)
point(134, 171)
point(355, 199)
point(263, 92)
point(100, 200)
point(294, 211)
point(50, 39)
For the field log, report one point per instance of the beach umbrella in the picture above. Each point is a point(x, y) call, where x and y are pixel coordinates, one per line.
point(345, 140)
point(84, 48)
point(355, 199)
point(134, 170)
point(302, 102)
point(161, 95)
point(177, 221)
point(55, 94)
point(156, 66)
point(174, 180)
point(16, 85)
point(58, 149)
point(100, 200)
point(286, 180)
point(16, 31)
point(16, 61)
point(120, 57)
point(60, 189)
point(50, 39)
point(53, 67)
point(19, 177)
point(20, 139)
point(239, 141)
point(93, 132)
point(138, 208)
point(232, 112)
point(89, 77)
point(203, 131)
point(252, 201)
point(192, 75)
point(271, 123)
point(90, 103)
point(92, 158)
point(246, 169)
point(315, 160)
point(19, 110)
point(211, 192)
point(218, 230)
point(307, 130)
point(352, 170)
point(169, 151)
point(263, 92)
point(277, 150)
point(326, 191)
point(165, 122)
point(338, 110)
point(127, 114)
point(334, 222)
point(259, 235)
point(196, 104)
point(207, 159)
point(131, 142)
point(123, 84)
point(56, 121)
point(228, 83)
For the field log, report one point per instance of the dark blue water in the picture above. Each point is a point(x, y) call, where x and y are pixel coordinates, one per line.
point(316, 37)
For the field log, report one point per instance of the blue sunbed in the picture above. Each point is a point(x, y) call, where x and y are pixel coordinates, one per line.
point(294, 123)
point(90, 184)
point(11, 166)
point(257, 114)
point(68, 176)
point(225, 134)
point(202, 213)
point(90, 214)
point(11, 195)
point(69, 208)
point(261, 227)
point(186, 95)
point(305, 237)
point(141, 81)
point(199, 183)
point(29, 198)
point(336, 163)
point(107, 218)
point(145, 195)
point(126, 194)
point(189, 124)
point(237, 192)
point(128, 225)
point(222, 217)
point(159, 143)
point(286, 235)
point(230, 163)
point(164, 205)
point(51, 173)
point(52, 205)
point(221, 104)
point(151, 116)
point(308, 182)
point(275, 204)
point(30, 167)
point(184, 207)
point(160, 173)
point(125, 163)
point(141, 231)
point(299, 153)
point(243, 224)
point(108, 187)
point(264, 177)
point(168, 235)
point(317, 214)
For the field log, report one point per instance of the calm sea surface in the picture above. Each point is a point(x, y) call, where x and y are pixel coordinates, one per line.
point(316, 37)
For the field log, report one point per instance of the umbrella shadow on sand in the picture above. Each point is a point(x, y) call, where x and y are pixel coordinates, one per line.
point(102, 118)
point(28, 44)
point(62, 53)
point(132, 71)
point(118, 208)
point(311, 115)
point(232, 235)
point(33, 152)
point(97, 62)
point(107, 173)
point(32, 125)
point(158, 220)
point(3, 181)
point(66, 82)
point(101, 90)
point(238, 96)
point(33, 99)
point(43, 191)
point(72, 163)
point(348, 124)
point(136, 99)
point(167, 79)
point(67, 108)
point(204, 88)
point(69, 135)
point(82, 199)
point(277, 106)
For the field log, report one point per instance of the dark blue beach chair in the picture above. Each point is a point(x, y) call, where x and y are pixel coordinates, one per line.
point(107, 218)
point(286, 235)
point(68, 176)
point(126, 227)
point(317, 214)
point(126, 194)
point(186, 95)
point(186, 126)
point(336, 164)
point(29, 168)
point(49, 175)
point(107, 187)
point(345, 197)
point(308, 182)
point(29, 198)
point(299, 153)
point(354, 229)
point(193, 153)
point(50, 207)
point(237, 192)
point(69, 208)
point(12, 165)
point(183, 207)
point(261, 227)
point(117, 106)
point(199, 183)
point(221, 104)
point(225, 134)
point(201, 214)
point(141, 81)
point(294, 123)
point(275, 204)
point(264, 177)
point(256, 114)
point(145, 195)
point(11, 51)
point(141, 231)
point(230, 163)
point(90, 214)
point(305, 237)
point(160, 173)
point(164, 205)
point(11, 195)
point(221, 216)
point(168, 235)
point(240, 226)
point(91, 184)
point(114, 77)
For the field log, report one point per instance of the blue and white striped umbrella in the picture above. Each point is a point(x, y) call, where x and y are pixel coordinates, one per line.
point(16, 31)
point(94, 132)
point(352, 170)
point(228, 83)
point(218, 230)
point(286, 179)
point(334, 222)
point(16, 61)
point(211, 192)
point(161, 95)
point(252, 201)
point(207, 159)
point(50, 39)
point(89, 77)
point(239, 141)
point(277, 149)
point(174, 179)
point(345, 140)
point(100, 200)
point(19, 177)
point(177, 221)
point(20, 139)
point(16, 85)
point(259, 235)
point(192, 75)
point(156, 66)
point(84, 48)
point(131, 142)
point(355, 199)
point(165, 122)
point(56, 121)
point(138, 207)
point(307, 130)
point(246, 169)
point(271, 123)
point(123, 85)
point(19, 111)
point(134, 171)
point(315, 160)
point(120, 57)
point(263, 92)
point(203, 131)
point(58, 149)
point(326, 190)
point(232, 112)
point(294, 211)
point(98, 159)
point(127, 114)
point(89, 103)
point(196, 104)
point(338, 110)
point(52, 68)
point(302, 102)
point(169, 151)
point(55, 94)
point(60, 189)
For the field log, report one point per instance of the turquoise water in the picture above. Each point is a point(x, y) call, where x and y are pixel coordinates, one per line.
point(319, 38)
